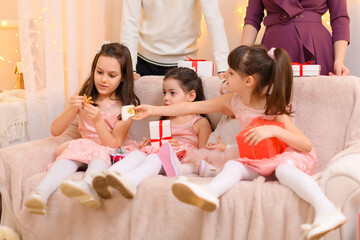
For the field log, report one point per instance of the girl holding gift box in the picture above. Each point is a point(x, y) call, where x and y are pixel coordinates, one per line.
point(110, 85)
point(261, 83)
point(188, 132)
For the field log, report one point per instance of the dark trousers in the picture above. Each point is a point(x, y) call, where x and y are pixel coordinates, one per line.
point(145, 68)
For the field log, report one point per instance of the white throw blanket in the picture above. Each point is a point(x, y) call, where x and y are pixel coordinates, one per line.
point(13, 118)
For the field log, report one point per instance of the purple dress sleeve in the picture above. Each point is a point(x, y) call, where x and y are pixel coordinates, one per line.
point(254, 13)
point(339, 19)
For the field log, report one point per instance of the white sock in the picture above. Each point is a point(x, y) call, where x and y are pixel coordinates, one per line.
point(129, 163)
point(59, 172)
point(94, 166)
point(187, 168)
point(231, 174)
point(306, 188)
point(150, 167)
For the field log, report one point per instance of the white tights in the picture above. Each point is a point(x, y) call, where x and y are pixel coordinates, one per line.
point(63, 169)
point(137, 166)
point(231, 174)
point(288, 175)
point(306, 188)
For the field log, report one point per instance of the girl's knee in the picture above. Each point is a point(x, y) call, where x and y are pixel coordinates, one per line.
point(231, 163)
point(284, 169)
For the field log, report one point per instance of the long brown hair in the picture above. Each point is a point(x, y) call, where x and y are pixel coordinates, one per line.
point(125, 90)
point(273, 74)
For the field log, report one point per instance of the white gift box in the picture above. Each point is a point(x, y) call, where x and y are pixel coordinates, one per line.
point(202, 67)
point(305, 69)
point(160, 132)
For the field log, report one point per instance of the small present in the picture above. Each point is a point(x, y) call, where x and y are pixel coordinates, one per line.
point(305, 69)
point(267, 148)
point(118, 154)
point(160, 132)
point(202, 67)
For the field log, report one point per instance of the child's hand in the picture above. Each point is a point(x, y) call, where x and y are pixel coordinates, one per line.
point(213, 146)
point(144, 142)
point(143, 111)
point(92, 112)
point(75, 102)
point(174, 144)
point(257, 134)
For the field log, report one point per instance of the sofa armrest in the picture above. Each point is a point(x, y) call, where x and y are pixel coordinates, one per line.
point(341, 183)
point(32, 157)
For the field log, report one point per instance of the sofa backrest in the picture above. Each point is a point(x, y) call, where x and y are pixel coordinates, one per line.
point(324, 110)
point(327, 110)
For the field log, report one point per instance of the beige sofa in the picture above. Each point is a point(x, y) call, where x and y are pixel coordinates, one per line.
point(327, 110)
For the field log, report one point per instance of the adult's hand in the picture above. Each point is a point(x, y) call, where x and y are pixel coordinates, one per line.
point(340, 70)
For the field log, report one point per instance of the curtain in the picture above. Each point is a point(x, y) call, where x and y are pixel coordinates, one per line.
point(58, 40)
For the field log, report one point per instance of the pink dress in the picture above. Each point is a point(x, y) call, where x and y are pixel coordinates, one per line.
point(88, 147)
point(185, 135)
point(305, 162)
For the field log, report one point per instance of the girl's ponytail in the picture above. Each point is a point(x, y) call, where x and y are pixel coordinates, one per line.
point(280, 84)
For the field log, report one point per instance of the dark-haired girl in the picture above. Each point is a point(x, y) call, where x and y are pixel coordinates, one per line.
point(261, 82)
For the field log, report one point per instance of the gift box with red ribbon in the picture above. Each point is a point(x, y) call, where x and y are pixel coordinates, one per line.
point(305, 69)
point(118, 154)
point(160, 132)
point(202, 67)
point(267, 148)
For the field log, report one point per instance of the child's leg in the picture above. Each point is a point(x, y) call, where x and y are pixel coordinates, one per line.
point(188, 168)
point(129, 163)
point(206, 196)
point(59, 171)
point(307, 188)
point(82, 190)
point(127, 183)
point(95, 166)
point(150, 167)
point(231, 174)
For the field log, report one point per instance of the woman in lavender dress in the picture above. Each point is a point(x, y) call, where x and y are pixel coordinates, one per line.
point(296, 26)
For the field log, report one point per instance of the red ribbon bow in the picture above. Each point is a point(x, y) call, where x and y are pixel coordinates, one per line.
point(160, 134)
point(194, 62)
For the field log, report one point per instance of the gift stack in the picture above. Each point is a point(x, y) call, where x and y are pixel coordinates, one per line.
point(267, 148)
point(202, 67)
point(160, 132)
point(305, 69)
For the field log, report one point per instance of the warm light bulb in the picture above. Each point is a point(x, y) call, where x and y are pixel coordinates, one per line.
point(4, 23)
point(1, 58)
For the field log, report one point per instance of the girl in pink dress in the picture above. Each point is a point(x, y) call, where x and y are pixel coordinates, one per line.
point(188, 132)
point(109, 87)
point(261, 83)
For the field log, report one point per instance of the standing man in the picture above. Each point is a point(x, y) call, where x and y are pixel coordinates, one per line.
point(169, 31)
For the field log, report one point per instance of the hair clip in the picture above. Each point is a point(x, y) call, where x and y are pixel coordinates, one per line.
point(271, 53)
point(105, 42)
